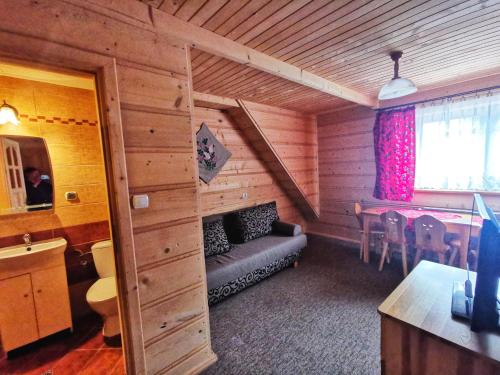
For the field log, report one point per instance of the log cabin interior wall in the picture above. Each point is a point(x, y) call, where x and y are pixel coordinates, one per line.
point(293, 134)
point(154, 90)
point(160, 163)
point(153, 77)
point(347, 165)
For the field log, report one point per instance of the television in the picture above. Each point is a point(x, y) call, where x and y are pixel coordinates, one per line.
point(481, 306)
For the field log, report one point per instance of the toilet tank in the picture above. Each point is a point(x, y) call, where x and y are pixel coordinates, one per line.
point(104, 258)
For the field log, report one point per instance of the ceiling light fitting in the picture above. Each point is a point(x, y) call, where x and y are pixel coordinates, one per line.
point(397, 86)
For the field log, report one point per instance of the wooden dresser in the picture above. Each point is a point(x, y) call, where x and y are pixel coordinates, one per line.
point(419, 336)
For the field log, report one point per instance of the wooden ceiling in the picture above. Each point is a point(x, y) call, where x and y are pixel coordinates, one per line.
point(347, 42)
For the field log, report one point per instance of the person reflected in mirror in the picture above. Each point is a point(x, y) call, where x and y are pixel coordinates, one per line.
point(38, 190)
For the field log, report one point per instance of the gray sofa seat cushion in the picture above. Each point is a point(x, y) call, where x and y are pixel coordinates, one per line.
point(247, 257)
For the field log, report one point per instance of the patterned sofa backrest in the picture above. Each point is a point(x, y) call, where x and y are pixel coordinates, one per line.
point(250, 223)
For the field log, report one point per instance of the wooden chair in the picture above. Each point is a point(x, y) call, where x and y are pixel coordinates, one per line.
point(374, 230)
point(430, 236)
point(455, 244)
point(394, 234)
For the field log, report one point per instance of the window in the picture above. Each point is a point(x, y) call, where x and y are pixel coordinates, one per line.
point(458, 144)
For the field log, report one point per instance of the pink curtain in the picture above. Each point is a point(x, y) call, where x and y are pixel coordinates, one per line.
point(394, 140)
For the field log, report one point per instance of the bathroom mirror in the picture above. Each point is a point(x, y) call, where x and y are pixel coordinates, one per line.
point(25, 175)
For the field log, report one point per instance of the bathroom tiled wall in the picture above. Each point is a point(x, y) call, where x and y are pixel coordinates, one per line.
point(67, 119)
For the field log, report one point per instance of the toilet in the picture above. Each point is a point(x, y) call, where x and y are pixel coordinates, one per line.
point(101, 296)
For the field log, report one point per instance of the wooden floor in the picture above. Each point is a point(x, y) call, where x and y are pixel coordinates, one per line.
point(82, 352)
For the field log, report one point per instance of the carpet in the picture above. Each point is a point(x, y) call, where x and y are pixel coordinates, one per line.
point(320, 318)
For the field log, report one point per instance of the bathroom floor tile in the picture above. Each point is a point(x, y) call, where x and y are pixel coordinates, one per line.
point(119, 367)
point(102, 363)
point(73, 362)
point(94, 341)
point(66, 353)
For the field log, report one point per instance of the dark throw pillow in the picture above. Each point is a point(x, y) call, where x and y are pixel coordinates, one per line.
point(255, 222)
point(215, 238)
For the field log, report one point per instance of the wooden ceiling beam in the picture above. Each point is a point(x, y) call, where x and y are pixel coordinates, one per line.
point(218, 45)
point(213, 101)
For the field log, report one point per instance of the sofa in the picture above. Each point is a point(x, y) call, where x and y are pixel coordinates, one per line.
point(246, 246)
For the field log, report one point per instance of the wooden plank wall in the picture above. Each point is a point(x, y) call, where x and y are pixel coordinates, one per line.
point(245, 172)
point(155, 98)
point(160, 163)
point(347, 174)
point(294, 137)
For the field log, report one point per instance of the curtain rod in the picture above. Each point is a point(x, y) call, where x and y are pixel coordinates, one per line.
point(438, 98)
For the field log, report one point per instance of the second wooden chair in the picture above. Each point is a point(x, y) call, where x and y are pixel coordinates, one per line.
point(430, 236)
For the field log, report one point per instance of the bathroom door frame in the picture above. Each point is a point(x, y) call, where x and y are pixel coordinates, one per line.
point(33, 51)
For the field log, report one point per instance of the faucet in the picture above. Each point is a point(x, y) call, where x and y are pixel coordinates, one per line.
point(27, 239)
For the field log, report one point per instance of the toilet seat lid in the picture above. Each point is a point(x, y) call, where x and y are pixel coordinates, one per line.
point(102, 290)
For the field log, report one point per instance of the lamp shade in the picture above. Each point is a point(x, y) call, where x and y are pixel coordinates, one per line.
point(396, 88)
point(8, 114)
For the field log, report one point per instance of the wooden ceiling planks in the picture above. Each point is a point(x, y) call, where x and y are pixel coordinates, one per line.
point(412, 39)
point(346, 41)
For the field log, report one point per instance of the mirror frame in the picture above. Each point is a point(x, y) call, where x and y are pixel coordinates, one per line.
point(48, 211)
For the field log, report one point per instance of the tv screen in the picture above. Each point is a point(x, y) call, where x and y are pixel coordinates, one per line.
point(481, 305)
point(485, 307)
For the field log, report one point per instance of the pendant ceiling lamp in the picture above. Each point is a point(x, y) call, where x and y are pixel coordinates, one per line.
point(8, 114)
point(397, 86)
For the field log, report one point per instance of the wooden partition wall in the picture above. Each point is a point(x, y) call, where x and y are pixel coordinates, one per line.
point(145, 94)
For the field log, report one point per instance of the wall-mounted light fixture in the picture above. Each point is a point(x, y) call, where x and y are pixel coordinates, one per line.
point(8, 114)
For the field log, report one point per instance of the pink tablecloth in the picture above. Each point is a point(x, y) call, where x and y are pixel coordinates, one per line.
point(412, 214)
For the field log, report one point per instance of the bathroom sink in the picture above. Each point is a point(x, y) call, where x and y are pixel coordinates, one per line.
point(41, 248)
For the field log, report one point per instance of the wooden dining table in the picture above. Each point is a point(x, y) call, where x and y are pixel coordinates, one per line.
point(463, 224)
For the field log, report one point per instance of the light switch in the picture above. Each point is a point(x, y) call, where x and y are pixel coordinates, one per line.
point(140, 201)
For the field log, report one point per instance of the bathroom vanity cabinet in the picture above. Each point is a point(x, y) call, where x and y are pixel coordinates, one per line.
point(34, 301)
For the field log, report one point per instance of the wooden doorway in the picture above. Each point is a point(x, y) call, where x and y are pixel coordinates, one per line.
point(28, 50)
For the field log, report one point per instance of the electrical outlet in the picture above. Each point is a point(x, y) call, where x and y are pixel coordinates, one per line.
point(244, 195)
point(71, 196)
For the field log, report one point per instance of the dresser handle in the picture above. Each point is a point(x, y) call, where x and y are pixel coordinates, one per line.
point(39, 291)
point(26, 295)
point(167, 250)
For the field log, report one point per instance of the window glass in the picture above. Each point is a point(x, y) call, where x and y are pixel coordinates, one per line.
point(458, 144)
